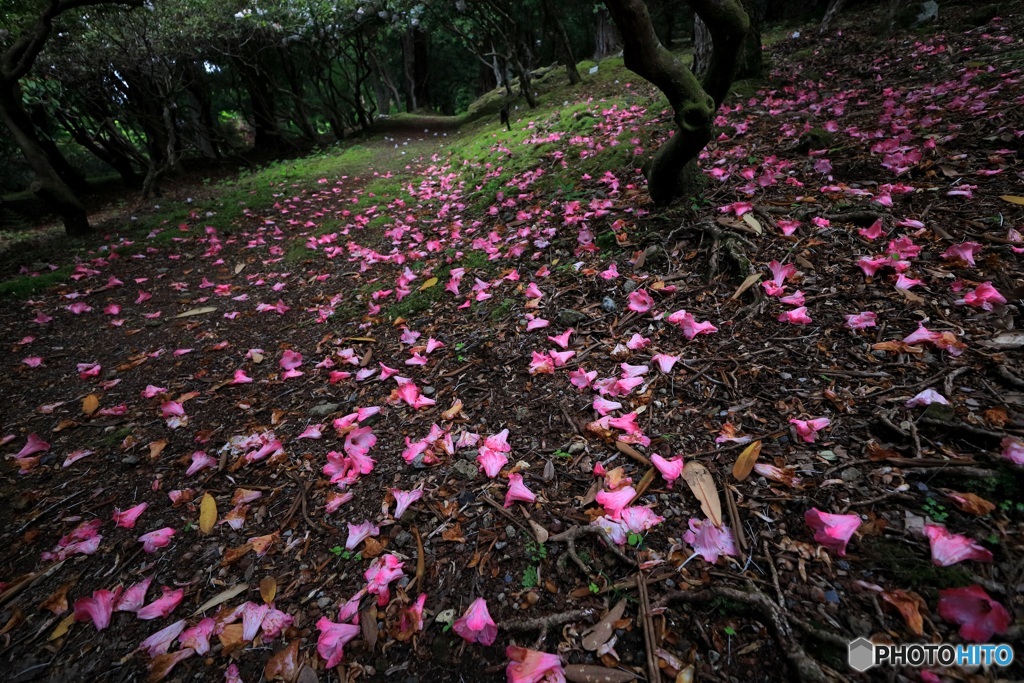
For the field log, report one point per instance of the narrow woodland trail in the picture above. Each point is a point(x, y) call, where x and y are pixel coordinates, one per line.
point(782, 416)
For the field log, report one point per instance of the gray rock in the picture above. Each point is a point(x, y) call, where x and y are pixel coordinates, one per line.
point(465, 469)
point(130, 460)
point(608, 304)
point(324, 409)
point(629, 286)
point(568, 316)
point(851, 474)
point(428, 391)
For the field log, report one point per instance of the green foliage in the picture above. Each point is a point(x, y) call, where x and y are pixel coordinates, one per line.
point(530, 577)
point(936, 510)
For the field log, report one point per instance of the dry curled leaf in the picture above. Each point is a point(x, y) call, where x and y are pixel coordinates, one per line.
point(909, 605)
point(971, 503)
point(745, 463)
point(702, 483)
point(58, 601)
point(223, 596)
point(62, 627)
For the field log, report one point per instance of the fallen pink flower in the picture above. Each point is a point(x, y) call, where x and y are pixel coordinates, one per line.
point(861, 321)
point(156, 539)
point(949, 549)
point(965, 251)
point(926, 398)
point(788, 227)
point(794, 299)
point(403, 499)
point(252, 618)
point(560, 358)
point(904, 282)
point(1013, 450)
point(32, 361)
point(639, 519)
point(640, 301)
point(517, 490)
point(533, 291)
point(98, 608)
point(808, 429)
point(581, 379)
point(979, 616)
point(160, 642)
point(670, 469)
point(240, 377)
point(615, 501)
point(491, 461)
point(832, 531)
point(665, 362)
point(198, 637)
point(541, 364)
point(311, 432)
point(874, 232)
point(274, 623)
point(134, 597)
point(531, 666)
point(128, 517)
point(476, 625)
point(870, 266)
point(537, 324)
point(708, 541)
point(380, 574)
point(162, 606)
point(32, 446)
point(637, 342)
point(75, 456)
point(562, 340)
point(604, 406)
point(201, 461)
point(332, 640)
point(151, 391)
point(798, 316)
point(983, 296)
point(357, 533)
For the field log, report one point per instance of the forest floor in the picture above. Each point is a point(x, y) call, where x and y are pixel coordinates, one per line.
point(391, 315)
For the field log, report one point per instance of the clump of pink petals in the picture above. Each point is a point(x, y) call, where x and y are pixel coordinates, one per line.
point(670, 469)
point(861, 321)
point(1013, 450)
point(709, 541)
point(98, 608)
point(156, 539)
point(332, 640)
point(127, 518)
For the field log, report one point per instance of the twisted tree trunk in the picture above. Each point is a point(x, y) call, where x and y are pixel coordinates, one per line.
point(693, 101)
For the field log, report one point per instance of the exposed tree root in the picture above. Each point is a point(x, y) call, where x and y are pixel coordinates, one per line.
point(542, 624)
point(569, 537)
point(807, 668)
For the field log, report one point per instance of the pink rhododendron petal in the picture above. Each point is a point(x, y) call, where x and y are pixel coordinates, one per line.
point(128, 517)
point(156, 539)
point(615, 501)
point(252, 619)
point(926, 398)
point(476, 625)
point(517, 490)
point(979, 616)
point(665, 362)
point(670, 469)
point(832, 531)
point(134, 597)
point(797, 316)
point(357, 533)
point(403, 499)
point(160, 642)
point(98, 608)
point(861, 321)
point(808, 430)
point(491, 461)
point(640, 301)
point(1013, 450)
point(380, 574)
point(949, 549)
point(32, 446)
point(332, 640)
point(274, 623)
point(639, 519)
point(708, 541)
point(198, 637)
point(531, 666)
point(162, 606)
point(562, 340)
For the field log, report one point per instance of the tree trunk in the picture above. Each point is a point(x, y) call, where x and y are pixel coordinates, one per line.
point(417, 76)
point(48, 185)
point(693, 101)
point(562, 43)
point(890, 17)
point(606, 38)
point(44, 132)
point(834, 8)
point(750, 63)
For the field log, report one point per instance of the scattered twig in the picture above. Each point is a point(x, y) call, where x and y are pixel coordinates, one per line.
point(542, 624)
point(569, 537)
point(963, 427)
point(734, 518)
point(1010, 378)
point(653, 672)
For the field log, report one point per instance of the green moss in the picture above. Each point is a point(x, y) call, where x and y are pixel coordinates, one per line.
point(502, 310)
point(909, 567)
point(23, 286)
